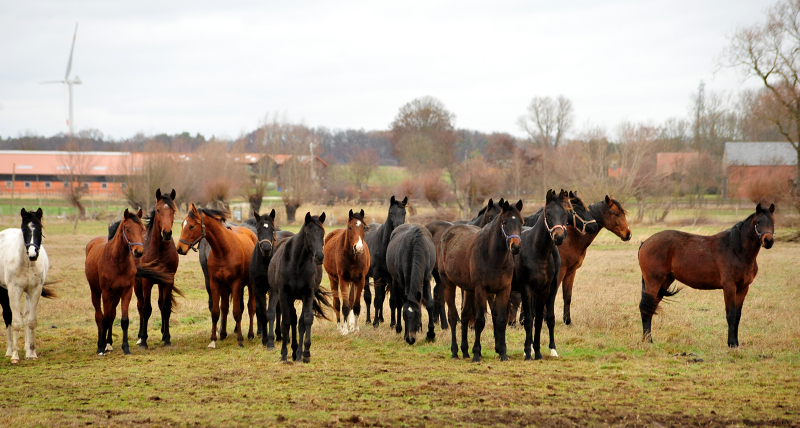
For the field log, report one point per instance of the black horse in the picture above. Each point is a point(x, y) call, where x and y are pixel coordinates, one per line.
point(536, 268)
point(410, 258)
point(259, 265)
point(377, 240)
point(295, 271)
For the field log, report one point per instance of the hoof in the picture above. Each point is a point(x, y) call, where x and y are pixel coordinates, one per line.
point(476, 359)
point(270, 348)
point(109, 348)
point(454, 357)
point(32, 358)
point(139, 341)
point(212, 345)
point(287, 361)
point(241, 345)
point(431, 337)
point(101, 354)
point(504, 358)
point(306, 359)
point(15, 361)
point(142, 347)
point(167, 343)
point(528, 358)
point(538, 357)
point(553, 353)
point(126, 351)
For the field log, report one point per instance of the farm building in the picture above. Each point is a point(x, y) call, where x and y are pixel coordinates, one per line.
point(748, 163)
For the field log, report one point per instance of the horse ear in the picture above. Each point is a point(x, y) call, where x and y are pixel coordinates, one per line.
point(39, 213)
point(350, 215)
point(758, 208)
point(491, 203)
point(158, 194)
point(255, 215)
point(362, 214)
point(505, 206)
point(405, 200)
point(172, 194)
point(322, 218)
point(272, 215)
point(392, 201)
point(519, 205)
point(771, 208)
point(571, 194)
point(608, 201)
point(126, 215)
point(308, 218)
point(139, 213)
point(23, 213)
point(550, 194)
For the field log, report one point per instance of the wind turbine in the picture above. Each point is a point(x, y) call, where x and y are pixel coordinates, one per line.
point(69, 82)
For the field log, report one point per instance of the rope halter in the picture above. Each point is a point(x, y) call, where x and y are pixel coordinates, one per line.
point(199, 238)
point(576, 217)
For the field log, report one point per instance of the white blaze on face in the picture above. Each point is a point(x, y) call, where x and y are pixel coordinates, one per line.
point(31, 248)
point(183, 226)
point(358, 223)
point(359, 245)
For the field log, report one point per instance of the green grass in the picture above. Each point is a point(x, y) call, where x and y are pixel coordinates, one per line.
point(605, 375)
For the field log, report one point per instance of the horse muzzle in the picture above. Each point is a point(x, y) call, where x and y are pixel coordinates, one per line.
point(411, 337)
point(137, 251)
point(166, 235)
point(628, 236)
point(514, 247)
point(319, 258)
point(33, 253)
point(265, 247)
point(559, 238)
point(767, 241)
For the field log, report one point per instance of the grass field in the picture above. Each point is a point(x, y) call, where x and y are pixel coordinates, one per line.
point(605, 375)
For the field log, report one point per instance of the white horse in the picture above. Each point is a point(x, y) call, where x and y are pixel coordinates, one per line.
point(23, 269)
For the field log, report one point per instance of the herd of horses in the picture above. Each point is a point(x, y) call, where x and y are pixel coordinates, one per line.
point(499, 260)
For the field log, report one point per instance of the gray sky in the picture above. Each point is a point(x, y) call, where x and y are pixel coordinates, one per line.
point(201, 66)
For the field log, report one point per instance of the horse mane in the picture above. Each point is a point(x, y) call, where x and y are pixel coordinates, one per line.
point(149, 217)
point(220, 215)
point(112, 228)
point(617, 204)
point(737, 232)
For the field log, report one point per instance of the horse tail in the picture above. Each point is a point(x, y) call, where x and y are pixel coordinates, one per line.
point(322, 301)
point(175, 290)
point(154, 273)
point(417, 273)
point(663, 292)
point(649, 304)
point(47, 291)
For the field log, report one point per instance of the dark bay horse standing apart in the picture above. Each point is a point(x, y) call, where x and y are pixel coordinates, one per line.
point(377, 241)
point(480, 261)
point(536, 270)
point(228, 264)
point(296, 272)
point(608, 214)
point(159, 251)
point(347, 262)
point(410, 258)
point(111, 272)
point(724, 261)
point(259, 279)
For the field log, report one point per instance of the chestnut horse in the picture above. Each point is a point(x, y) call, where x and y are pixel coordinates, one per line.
point(377, 239)
point(159, 249)
point(111, 271)
point(480, 261)
point(724, 261)
point(228, 264)
point(536, 270)
point(347, 263)
point(295, 271)
point(608, 214)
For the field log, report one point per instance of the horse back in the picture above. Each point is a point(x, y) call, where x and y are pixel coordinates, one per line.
point(454, 254)
point(695, 260)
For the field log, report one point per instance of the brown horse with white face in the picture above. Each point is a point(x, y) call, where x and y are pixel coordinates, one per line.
point(228, 264)
point(111, 271)
point(159, 250)
point(347, 263)
point(724, 261)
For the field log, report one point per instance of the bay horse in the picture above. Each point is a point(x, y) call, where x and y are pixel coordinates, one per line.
point(159, 250)
point(410, 258)
point(23, 270)
point(536, 270)
point(228, 264)
point(347, 262)
point(480, 261)
point(724, 261)
point(296, 272)
point(377, 239)
point(111, 271)
point(607, 214)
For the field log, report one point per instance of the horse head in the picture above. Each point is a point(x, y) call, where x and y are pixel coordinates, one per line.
point(314, 236)
point(265, 232)
point(397, 211)
point(355, 232)
point(412, 315)
point(511, 224)
point(555, 215)
point(582, 219)
point(193, 229)
point(32, 232)
point(764, 225)
point(614, 218)
point(165, 212)
point(491, 211)
point(132, 230)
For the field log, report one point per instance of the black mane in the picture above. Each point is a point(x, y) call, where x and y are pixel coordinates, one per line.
point(737, 232)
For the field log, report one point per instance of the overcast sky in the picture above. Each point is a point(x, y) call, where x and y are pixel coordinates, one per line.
point(201, 66)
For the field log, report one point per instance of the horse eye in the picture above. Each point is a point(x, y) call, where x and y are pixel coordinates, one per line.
point(191, 227)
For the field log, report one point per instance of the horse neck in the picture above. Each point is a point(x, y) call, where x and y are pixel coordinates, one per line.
point(217, 236)
point(493, 241)
point(597, 212)
point(299, 252)
point(153, 238)
point(539, 240)
point(750, 245)
point(120, 250)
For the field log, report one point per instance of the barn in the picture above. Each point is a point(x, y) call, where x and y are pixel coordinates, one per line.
point(748, 163)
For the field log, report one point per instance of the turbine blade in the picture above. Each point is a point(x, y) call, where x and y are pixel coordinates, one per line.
point(51, 81)
point(69, 64)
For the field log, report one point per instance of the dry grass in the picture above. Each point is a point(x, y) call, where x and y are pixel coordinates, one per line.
point(605, 376)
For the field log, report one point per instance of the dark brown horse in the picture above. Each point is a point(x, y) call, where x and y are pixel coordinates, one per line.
point(608, 214)
point(228, 265)
point(481, 262)
point(377, 239)
point(111, 272)
point(159, 250)
point(724, 261)
point(347, 264)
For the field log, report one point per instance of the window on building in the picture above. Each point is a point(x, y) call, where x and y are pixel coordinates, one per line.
point(47, 185)
point(9, 184)
point(66, 184)
point(27, 184)
point(104, 185)
point(86, 185)
point(123, 185)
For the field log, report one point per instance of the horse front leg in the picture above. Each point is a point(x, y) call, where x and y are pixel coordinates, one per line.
point(567, 284)
point(449, 292)
point(251, 310)
point(293, 318)
point(729, 292)
point(380, 295)
point(337, 302)
point(165, 306)
point(539, 303)
point(110, 316)
point(238, 290)
point(285, 329)
point(31, 305)
point(124, 321)
point(550, 316)
point(430, 307)
point(14, 295)
point(467, 315)
point(527, 323)
point(98, 320)
point(438, 297)
point(740, 295)
point(262, 314)
point(367, 299)
point(7, 319)
point(501, 323)
point(308, 321)
point(357, 288)
point(268, 337)
point(479, 306)
point(224, 307)
point(143, 289)
point(214, 301)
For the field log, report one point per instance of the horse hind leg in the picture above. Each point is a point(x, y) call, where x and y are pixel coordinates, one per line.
point(357, 289)
point(14, 296)
point(6, 318)
point(126, 302)
point(251, 310)
point(165, 306)
point(143, 289)
point(349, 313)
point(651, 297)
point(367, 299)
point(31, 303)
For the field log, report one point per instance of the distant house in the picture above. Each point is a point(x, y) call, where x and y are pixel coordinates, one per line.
point(746, 162)
point(674, 163)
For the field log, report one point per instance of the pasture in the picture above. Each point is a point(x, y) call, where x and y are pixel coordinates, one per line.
point(605, 375)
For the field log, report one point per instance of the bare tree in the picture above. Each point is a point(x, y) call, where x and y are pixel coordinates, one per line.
point(548, 120)
point(74, 169)
point(770, 51)
point(363, 164)
point(145, 174)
